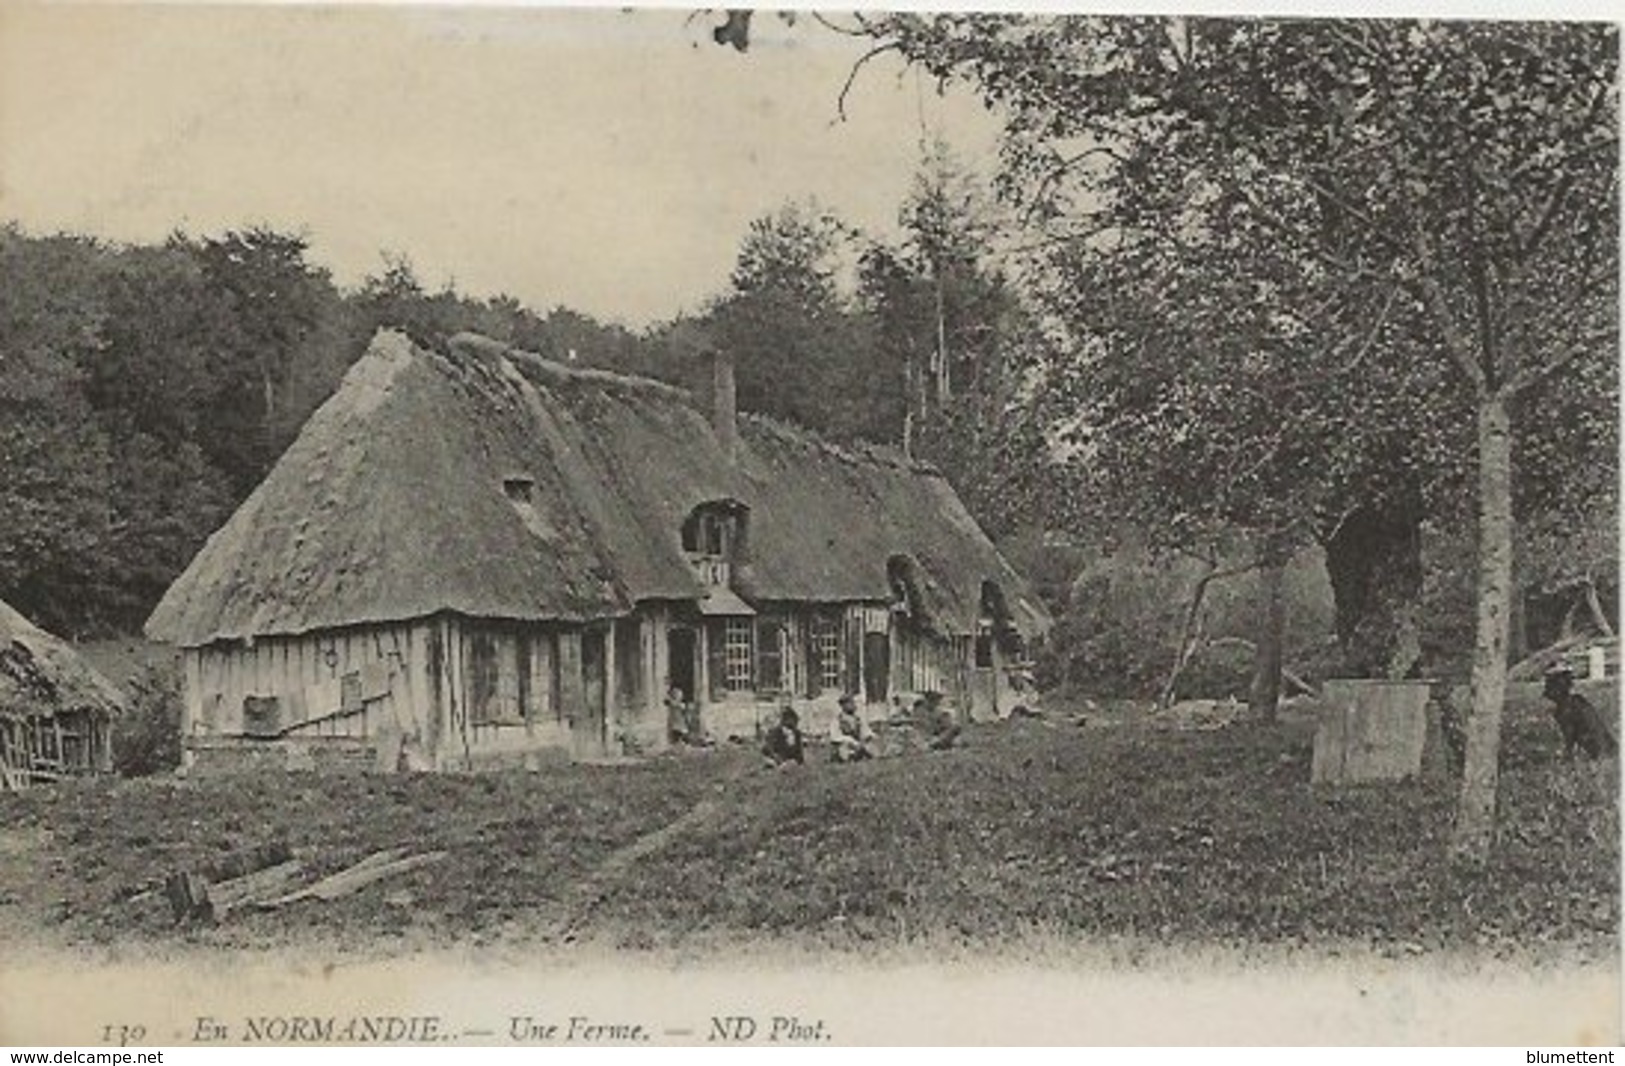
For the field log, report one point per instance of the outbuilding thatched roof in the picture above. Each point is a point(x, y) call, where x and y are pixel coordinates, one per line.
point(491, 482)
point(41, 675)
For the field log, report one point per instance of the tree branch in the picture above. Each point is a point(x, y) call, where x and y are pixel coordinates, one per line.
point(1538, 232)
point(1341, 34)
point(1365, 220)
point(1337, 526)
point(1286, 229)
point(1291, 678)
point(852, 75)
point(1053, 174)
point(1455, 342)
point(1374, 332)
point(1529, 377)
point(1278, 439)
point(1598, 615)
point(835, 27)
point(1191, 633)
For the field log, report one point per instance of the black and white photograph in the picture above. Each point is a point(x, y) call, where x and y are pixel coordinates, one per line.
point(527, 526)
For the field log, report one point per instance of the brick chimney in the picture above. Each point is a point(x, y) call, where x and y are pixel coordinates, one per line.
point(724, 413)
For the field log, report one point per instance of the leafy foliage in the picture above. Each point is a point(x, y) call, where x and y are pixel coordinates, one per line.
point(1244, 222)
point(144, 392)
point(801, 349)
point(147, 740)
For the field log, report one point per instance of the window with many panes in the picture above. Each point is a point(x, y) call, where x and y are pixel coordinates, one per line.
point(736, 655)
point(827, 643)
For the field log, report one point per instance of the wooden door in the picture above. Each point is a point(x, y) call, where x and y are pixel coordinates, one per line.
point(876, 666)
point(590, 728)
point(680, 663)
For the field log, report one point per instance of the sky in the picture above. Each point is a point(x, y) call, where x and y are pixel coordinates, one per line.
point(603, 160)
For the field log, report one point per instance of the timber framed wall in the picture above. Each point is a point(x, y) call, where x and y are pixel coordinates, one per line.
point(332, 683)
point(451, 692)
point(38, 748)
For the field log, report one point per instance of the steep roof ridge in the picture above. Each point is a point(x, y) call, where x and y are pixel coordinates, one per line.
point(853, 453)
point(552, 372)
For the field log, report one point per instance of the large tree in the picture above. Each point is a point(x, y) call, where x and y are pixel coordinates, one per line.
point(802, 349)
point(277, 303)
point(945, 314)
point(53, 456)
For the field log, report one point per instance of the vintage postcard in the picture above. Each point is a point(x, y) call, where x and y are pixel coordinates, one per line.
point(525, 526)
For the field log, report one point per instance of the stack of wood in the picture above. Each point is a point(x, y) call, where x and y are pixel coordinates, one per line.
point(267, 877)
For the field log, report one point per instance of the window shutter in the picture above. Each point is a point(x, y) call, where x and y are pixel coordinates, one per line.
point(769, 658)
point(809, 650)
point(852, 652)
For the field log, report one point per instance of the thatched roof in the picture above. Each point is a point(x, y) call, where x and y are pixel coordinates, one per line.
point(42, 675)
point(392, 505)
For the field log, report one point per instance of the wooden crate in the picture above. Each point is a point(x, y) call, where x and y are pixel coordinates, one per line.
point(1370, 731)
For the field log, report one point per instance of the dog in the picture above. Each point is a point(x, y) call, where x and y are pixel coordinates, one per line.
point(1581, 724)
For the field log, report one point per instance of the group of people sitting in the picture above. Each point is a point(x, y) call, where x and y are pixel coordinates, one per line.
point(851, 739)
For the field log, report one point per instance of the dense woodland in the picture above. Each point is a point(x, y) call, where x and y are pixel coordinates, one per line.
point(149, 389)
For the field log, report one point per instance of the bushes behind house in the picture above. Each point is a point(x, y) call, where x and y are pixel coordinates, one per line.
point(148, 738)
point(1120, 615)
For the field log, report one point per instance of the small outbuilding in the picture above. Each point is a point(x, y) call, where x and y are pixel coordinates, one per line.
point(56, 712)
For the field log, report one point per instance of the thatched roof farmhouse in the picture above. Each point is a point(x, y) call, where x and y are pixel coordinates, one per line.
point(475, 554)
point(56, 711)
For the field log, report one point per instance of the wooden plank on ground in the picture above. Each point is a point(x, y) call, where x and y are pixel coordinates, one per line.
point(250, 888)
point(374, 867)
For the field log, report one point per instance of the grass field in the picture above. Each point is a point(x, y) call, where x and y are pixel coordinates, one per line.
point(1036, 833)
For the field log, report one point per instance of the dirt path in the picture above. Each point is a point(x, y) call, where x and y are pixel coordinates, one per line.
point(596, 887)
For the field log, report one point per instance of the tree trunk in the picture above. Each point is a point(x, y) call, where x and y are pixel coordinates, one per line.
point(945, 390)
point(1374, 561)
point(268, 389)
point(1517, 629)
point(1599, 617)
point(908, 406)
point(1265, 698)
point(1190, 635)
point(1475, 814)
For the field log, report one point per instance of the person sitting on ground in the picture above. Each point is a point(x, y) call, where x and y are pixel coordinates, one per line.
point(1577, 719)
point(850, 736)
point(782, 745)
point(936, 722)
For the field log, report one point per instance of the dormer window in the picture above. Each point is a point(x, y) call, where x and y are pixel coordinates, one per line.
point(713, 537)
point(901, 576)
point(708, 533)
point(520, 489)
